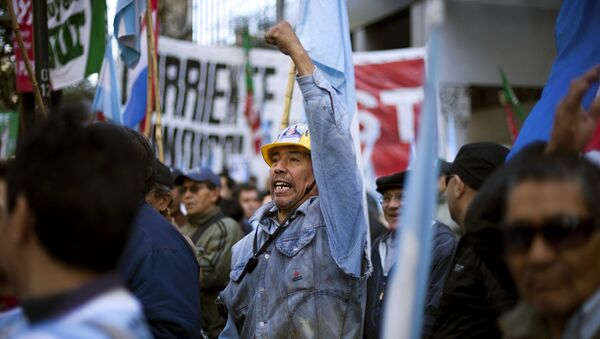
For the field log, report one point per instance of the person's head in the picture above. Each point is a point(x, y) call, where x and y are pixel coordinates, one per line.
point(391, 188)
point(199, 190)
point(232, 209)
point(473, 164)
point(145, 155)
point(552, 231)
point(174, 207)
point(290, 174)
point(72, 196)
point(227, 184)
point(248, 197)
point(160, 197)
point(444, 168)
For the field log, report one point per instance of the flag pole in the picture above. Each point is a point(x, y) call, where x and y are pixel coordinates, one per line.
point(154, 77)
point(289, 92)
point(34, 84)
point(149, 80)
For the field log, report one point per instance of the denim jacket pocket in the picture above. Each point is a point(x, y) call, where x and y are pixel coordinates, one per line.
point(238, 268)
point(290, 245)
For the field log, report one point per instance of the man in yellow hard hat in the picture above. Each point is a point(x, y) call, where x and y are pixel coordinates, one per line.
point(301, 273)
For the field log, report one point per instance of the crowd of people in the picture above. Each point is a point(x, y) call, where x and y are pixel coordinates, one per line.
point(99, 239)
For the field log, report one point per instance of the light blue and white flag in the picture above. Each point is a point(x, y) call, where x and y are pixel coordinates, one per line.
point(405, 301)
point(130, 32)
point(324, 32)
point(127, 30)
point(107, 99)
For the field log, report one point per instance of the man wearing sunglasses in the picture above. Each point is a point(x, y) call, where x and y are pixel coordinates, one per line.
point(552, 247)
point(213, 234)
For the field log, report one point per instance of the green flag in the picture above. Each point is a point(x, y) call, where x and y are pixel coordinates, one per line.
point(9, 129)
point(510, 97)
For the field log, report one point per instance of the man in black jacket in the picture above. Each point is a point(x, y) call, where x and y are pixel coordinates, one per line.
point(477, 288)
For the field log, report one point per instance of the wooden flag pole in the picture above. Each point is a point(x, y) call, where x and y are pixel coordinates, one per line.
point(289, 92)
point(34, 84)
point(153, 64)
point(149, 81)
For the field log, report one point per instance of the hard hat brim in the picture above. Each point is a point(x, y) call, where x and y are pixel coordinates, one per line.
point(266, 149)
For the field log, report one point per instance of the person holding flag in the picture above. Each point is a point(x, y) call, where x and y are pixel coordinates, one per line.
point(302, 272)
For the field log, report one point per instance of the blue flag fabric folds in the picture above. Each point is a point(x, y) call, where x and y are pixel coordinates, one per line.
point(578, 49)
point(127, 29)
point(324, 32)
point(107, 99)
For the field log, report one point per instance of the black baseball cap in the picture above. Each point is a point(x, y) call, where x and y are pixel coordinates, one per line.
point(162, 174)
point(475, 162)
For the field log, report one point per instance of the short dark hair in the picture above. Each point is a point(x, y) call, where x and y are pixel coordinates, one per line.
point(536, 165)
point(231, 208)
point(144, 154)
point(243, 187)
point(81, 183)
point(229, 182)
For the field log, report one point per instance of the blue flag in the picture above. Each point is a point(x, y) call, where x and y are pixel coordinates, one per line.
point(405, 296)
point(578, 50)
point(127, 29)
point(130, 32)
point(324, 32)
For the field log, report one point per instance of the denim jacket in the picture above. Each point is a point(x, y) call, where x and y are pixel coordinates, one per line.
point(311, 281)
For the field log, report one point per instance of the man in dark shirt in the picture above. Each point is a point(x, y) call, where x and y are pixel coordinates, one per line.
point(472, 296)
point(158, 265)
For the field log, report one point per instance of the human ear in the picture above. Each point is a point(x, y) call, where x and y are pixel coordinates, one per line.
point(21, 221)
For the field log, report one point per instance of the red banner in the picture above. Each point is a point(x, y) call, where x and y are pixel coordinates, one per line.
point(23, 11)
point(389, 94)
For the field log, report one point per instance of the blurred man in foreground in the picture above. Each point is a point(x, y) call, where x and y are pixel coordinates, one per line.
point(67, 222)
point(552, 228)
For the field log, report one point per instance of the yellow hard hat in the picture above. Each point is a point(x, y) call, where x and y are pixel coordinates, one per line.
point(295, 135)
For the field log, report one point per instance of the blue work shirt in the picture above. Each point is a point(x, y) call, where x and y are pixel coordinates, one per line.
point(311, 281)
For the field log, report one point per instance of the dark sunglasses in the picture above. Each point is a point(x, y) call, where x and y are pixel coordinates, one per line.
point(560, 233)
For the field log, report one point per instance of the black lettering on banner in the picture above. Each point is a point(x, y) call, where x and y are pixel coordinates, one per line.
point(267, 96)
point(170, 87)
point(201, 92)
point(218, 93)
point(233, 102)
point(197, 97)
point(208, 97)
point(187, 160)
point(191, 94)
point(188, 149)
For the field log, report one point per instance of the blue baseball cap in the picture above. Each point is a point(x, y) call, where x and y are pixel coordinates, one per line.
point(205, 174)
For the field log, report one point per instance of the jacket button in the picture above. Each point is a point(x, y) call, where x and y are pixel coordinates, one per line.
point(261, 324)
point(267, 256)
